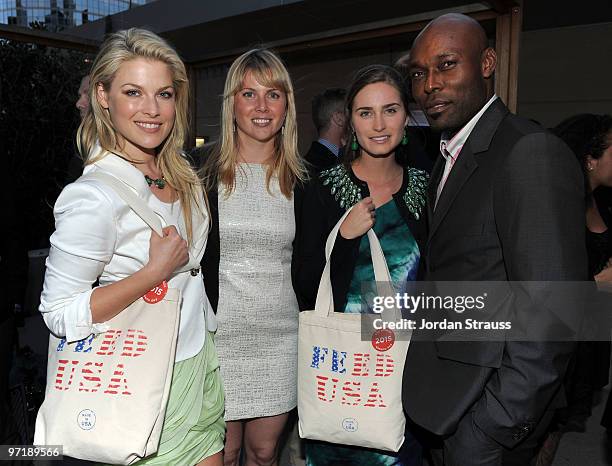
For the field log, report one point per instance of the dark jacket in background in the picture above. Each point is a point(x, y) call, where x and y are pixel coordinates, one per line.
point(319, 158)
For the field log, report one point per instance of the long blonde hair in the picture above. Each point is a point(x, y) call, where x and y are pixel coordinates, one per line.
point(286, 165)
point(97, 127)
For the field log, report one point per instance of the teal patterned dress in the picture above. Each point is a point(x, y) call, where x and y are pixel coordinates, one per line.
point(402, 254)
point(400, 249)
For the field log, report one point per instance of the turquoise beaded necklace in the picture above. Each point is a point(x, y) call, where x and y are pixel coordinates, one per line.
point(160, 183)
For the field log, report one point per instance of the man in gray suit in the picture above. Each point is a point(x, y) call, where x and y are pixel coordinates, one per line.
point(505, 203)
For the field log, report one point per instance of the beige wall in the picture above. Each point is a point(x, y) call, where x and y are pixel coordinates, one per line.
point(565, 71)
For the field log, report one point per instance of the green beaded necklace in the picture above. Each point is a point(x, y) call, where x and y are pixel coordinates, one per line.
point(159, 182)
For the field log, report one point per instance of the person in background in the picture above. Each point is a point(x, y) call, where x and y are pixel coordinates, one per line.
point(82, 103)
point(135, 131)
point(402, 64)
point(423, 145)
point(252, 177)
point(75, 164)
point(387, 197)
point(328, 118)
point(590, 138)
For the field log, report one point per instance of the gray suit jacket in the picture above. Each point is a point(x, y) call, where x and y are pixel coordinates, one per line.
point(512, 209)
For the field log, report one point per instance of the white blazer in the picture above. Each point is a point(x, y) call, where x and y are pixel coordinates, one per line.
point(97, 236)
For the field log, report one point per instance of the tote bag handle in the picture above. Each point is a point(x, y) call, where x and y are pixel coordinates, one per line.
point(324, 304)
point(131, 199)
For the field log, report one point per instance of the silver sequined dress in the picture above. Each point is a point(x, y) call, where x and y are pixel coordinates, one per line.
point(257, 313)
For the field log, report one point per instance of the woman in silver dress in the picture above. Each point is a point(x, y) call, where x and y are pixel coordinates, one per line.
point(250, 176)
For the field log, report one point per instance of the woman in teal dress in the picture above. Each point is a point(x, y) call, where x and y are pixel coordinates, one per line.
point(389, 197)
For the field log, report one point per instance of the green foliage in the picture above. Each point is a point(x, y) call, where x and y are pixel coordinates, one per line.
point(38, 122)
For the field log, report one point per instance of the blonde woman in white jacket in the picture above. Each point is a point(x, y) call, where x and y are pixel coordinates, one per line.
point(134, 131)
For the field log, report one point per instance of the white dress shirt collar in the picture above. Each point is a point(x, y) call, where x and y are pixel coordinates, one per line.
point(330, 145)
point(451, 147)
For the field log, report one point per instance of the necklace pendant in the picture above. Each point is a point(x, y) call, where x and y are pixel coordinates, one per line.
point(160, 183)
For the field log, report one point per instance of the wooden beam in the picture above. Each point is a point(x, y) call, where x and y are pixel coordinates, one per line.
point(507, 42)
point(50, 39)
point(502, 47)
point(502, 6)
point(516, 24)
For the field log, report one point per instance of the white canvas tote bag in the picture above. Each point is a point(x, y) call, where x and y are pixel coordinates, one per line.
point(349, 392)
point(106, 395)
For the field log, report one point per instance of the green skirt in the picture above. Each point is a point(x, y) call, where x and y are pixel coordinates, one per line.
point(194, 428)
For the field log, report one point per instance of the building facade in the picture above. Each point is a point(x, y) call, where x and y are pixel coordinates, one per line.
point(55, 15)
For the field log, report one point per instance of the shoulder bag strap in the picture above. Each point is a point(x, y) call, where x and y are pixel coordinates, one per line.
point(131, 199)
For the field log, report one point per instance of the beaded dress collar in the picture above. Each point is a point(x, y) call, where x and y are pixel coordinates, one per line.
point(347, 189)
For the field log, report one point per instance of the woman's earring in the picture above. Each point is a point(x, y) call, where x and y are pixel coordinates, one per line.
point(354, 144)
point(234, 127)
point(404, 139)
point(283, 129)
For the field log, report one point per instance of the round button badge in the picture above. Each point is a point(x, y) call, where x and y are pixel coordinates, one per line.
point(350, 424)
point(86, 419)
point(156, 294)
point(383, 339)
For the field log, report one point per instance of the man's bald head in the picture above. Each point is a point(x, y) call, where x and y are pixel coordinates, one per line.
point(451, 70)
point(458, 25)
